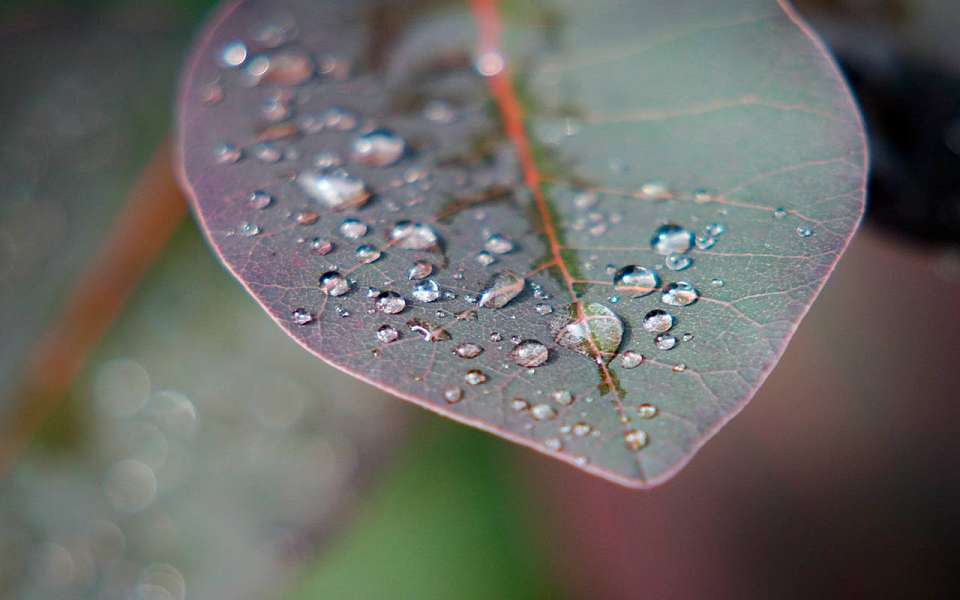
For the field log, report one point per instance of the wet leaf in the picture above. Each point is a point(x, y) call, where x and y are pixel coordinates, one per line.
point(563, 168)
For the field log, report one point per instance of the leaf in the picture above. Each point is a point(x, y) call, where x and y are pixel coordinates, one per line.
point(370, 171)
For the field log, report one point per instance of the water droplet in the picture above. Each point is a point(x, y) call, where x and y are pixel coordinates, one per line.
point(639, 281)
point(414, 236)
point(420, 270)
point(333, 191)
point(665, 341)
point(656, 189)
point(260, 200)
point(379, 148)
point(267, 152)
point(321, 246)
point(334, 284)
point(553, 443)
point(677, 262)
point(496, 337)
point(275, 109)
point(680, 293)
point(468, 350)
point(287, 67)
point(519, 404)
point(530, 353)
point(543, 309)
point(490, 63)
point(647, 411)
point(563, 397)
point(687, 337)
point(485, 258)
point(353, 229)
point(581, 429)
point(498, 244)
point(599, 329)
point(631, 359)
point(326, 160)
point(212, 94)
point(658, 321)
point(543, 412)
point(387, 334)
point(671, 239)
point(705, 243)
point(716, 282)
point(453, 394)
point(227, 154)
point(679, 368)
point(302, 316)
point(439, 112)
point(779, 213)
point(715, 229)
point(804, 232)
point(475, 377)
point(390, 303)
point(426, 291)
point(635, 439)
point(249, 229)
point(233, 54)
point(306, 217)
point(368, 254)
point(501, 289)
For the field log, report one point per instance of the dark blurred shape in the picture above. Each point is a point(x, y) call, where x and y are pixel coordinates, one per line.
point(899, 66)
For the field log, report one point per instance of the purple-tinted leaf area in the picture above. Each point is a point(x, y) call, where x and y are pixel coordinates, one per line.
point(699, 169)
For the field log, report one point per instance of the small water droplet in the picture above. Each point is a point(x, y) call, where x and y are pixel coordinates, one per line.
point(414, 236)
point(543, 412)
point(227, 154)
point(306, 217)
point(333, 191)
point(656, 189)
point(705, 243)
point(647, 411)
point(553, 443)
point(286, 67)
point(530, 353)
point(212, 94)
point(716, 282)
point(379, 148)
point(453, 395)
point(496, 337)
point(387, 334)
point(804, 232)
point(679, 293)
point(665, 341)
point(677, 262)
point(260, 200)
point(498, 244)
point(321, 246)
point(233, 54)
point(779, 213)
point(475, 377)
point(715, 229)
point(501, 289)
point(390, 303)
point(426, 291)
point(468, 350)
point(267, 152)
point(420, 270)
point(562, 397)
point(635, 439)
point(439, 112)
point(543, 309)
point(368, 254)
point(249, 229)
point(334, 284)
point(658, 321)
point(302, 316)
point(581, 429)
point(638, 281)
point(490, 63)
point(485, 258)
point(671, 239)
point(679, 368)
point(519, 404)
point(353, 229)
point(631, 359)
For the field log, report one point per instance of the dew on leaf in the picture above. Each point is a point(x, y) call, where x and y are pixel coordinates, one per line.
point(439, 112)
point(715, 229)
point(212, 94)
point(705, 243)
point(501, 289)
point(562, 397)
point(543, 412)
point(804, 232)
point(485, 258)
point(638, 281)
point(553, 443)
point(260, 200)
point(475, 377)
point(519, 404)
point(679, 293)
point(420, 270)
point(302, 316)
point(233, 55)
point(414, 236)
point(378, 148)
point(390, 303)
point(647, 411)
point(496, 337)
point(326, 160)
point(656, 189)
point(671, 239)
point(468, 350)
point(498, 244)
point(779, 213)
point(275, 109)
point(267, 152)
point(321, 246)
point(543, 309)
point(687, 337)
point(530, 353)
point(288, 67)
point(679, 368)
point(227, 154)
point(249, 230)
point(631, 359)
point(306, 217)
point(716, 282)
point(635, 439)
point(581, 429)
point(598, 330)
point(677, 262)
point(426, 291)
point(387, 334)
point(333, 283)
point(353, 229)
point(489, 63)
point(333, 191)
point(453, 395)
point(368, 254)
point(658, 321)
point(665, 341)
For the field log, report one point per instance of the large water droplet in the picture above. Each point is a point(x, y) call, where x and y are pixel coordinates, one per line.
point(426, 291)
point(665, 341)
point(288, 67)
point(334, 284)
point(368, 254)
point(680, 293)
point(379, 148)
point(501, 289)
point(638, 281)
point(353, 229)
point(414, 236)
point(390, 303)
point(631, 359)
point(597, 331)
point(530, 353)
point(672, 239)
point(658, 321)
point(333, 191)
